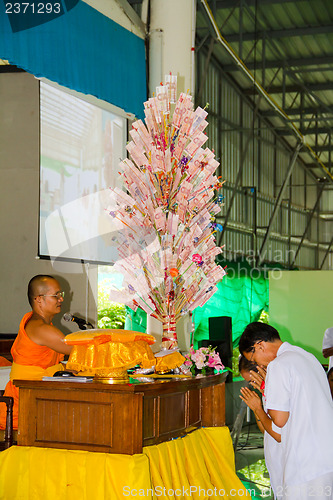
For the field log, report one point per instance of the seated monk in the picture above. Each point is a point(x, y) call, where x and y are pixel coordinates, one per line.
point(39, 346)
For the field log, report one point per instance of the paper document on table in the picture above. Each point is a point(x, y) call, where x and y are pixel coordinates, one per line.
point(67, 379)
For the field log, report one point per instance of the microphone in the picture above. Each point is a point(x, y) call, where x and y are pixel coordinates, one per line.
point(82, 323)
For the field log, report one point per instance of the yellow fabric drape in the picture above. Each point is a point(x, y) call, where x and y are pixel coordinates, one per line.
point(199, 466)
point(51, 474)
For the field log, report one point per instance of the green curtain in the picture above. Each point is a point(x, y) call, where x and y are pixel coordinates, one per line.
point(242, 295)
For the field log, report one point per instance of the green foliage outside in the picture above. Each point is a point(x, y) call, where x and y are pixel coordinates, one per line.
point(255, 477)
point(109, 314)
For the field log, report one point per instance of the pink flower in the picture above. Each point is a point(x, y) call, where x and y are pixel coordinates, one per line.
point(204, 350)
point(196, 258)
point(199, 359)
point(211, 362)
point(203, 358)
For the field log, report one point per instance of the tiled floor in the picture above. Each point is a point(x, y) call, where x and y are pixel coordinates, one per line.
point(250, 463)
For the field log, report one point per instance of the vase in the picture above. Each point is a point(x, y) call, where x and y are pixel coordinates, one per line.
point(169, 337)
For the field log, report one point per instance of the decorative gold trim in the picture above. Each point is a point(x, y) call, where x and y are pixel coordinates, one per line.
point(118, 376)
point(123, 379)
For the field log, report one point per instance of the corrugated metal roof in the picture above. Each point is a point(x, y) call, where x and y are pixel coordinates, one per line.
point(293, 42)
point(282, 51)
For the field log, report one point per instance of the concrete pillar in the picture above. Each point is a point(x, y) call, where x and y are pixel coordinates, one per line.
point(171, 49)
point(171, 43)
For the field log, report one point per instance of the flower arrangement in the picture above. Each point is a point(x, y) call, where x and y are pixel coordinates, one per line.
point(204, 360)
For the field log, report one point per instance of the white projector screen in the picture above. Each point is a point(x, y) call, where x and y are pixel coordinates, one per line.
point(81, 146)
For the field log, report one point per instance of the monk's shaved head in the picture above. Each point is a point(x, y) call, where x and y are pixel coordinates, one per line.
point(38, 285)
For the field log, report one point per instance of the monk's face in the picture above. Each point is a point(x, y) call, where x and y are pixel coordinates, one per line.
point(51, 299)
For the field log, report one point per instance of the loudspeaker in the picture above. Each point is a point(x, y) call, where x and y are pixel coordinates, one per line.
point(220, 337)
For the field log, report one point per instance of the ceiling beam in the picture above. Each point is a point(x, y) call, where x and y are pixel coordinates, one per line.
point(311, 87)
point(290, 63)
point(230, 4)
point(320, 149)
point(283, 33)
point(318, 110)
point(305, 131)
point(315, 165)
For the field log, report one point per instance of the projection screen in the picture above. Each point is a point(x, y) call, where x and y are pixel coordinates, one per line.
point(81, 145)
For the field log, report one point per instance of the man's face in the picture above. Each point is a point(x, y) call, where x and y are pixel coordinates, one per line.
point(52, 298)
point(246, 375)
point(260, 353)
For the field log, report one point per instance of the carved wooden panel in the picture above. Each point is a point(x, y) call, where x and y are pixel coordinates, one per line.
point(194, 409)
point(150, 421)
point(64, 422)
point(213, 406)
point(171, 413)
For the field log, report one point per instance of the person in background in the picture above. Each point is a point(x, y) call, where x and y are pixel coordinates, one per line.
point(330, 379)
point(39, 348)
point(328, 346)
point(299, 402)
point(255, 375)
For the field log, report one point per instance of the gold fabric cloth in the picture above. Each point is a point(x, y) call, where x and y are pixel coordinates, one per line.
point(169, 362)
point(107, 335)
point(104, 352)
point(101, 359)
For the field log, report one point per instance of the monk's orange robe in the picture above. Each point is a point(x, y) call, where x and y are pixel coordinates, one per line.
point(30, 362)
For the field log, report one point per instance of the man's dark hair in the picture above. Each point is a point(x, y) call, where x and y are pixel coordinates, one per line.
point(37, 285)
point(246, 365)
point(256, 332)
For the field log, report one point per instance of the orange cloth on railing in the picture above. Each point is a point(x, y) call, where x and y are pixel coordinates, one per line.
point(30, 361)
point(4, 361)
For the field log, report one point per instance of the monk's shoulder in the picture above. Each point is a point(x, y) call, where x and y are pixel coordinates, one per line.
point(36, 329)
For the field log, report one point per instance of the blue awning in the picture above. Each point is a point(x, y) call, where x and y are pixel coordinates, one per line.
point(82, 50)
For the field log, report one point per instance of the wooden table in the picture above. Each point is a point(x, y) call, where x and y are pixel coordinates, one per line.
point(117, 418)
